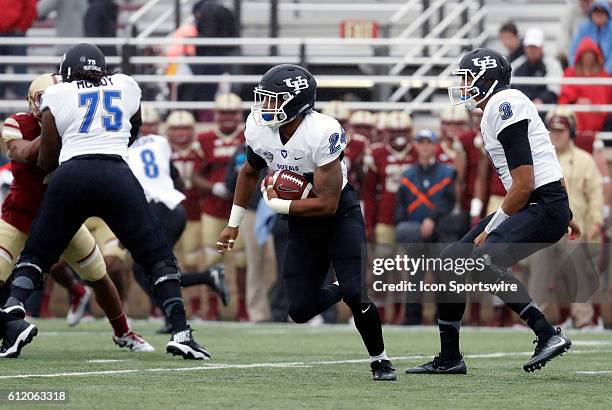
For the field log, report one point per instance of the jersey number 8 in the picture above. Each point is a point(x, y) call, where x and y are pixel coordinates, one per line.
point(110, 122)
point(150, 167)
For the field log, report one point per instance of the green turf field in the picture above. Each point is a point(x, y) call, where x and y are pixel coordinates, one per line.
point(298, 366)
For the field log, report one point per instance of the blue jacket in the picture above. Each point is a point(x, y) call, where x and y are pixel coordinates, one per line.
point(425, 192)
point(602, 36)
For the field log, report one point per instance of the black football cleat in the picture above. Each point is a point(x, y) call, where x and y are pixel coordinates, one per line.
point(183, 344)
point(547, 349)
point(382, 370)
point(217, 273)
point(440, 366)
point(17, 310)
point(17, 334)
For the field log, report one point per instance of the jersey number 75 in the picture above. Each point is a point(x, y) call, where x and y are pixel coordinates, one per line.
point(112, 120)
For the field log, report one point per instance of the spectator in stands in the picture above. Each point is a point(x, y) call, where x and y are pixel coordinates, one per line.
point(213, 20)
point(16, 18)
point(68, 19)
point(425, 195)
point(599, 28)
point(186, 91)
point(576, 14)
point(571, 275)
point(101, 21)
point(508, 35)
point(537, 64)
point(588, 62)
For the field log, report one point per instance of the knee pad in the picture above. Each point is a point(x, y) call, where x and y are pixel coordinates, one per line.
point(165, 271)
point(28, 273)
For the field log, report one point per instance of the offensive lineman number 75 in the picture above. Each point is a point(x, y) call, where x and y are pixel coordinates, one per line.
point(113, 119)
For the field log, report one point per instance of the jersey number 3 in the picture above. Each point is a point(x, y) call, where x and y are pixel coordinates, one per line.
point(112, 120)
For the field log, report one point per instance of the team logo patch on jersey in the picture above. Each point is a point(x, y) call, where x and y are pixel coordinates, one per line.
point(485, 63)
point(298, 83)
point(284, 153)
point(506, 110)
point(268, 156)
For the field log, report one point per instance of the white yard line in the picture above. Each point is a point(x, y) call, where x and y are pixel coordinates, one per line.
point(493, 355)
point(107, 360)
point(594, 372)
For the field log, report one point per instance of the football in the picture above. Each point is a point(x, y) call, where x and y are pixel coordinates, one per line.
point(290, 185)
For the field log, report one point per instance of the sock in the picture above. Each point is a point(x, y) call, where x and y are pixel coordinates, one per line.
point(449, 339)
point(77, 289)
point(120, 325)
point(369, 326)
point(197, 278)
point(537, 321)
point(169, 293)
point(382, 356)
point(178, 318)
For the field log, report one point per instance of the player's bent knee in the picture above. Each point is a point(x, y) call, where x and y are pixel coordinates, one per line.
point(165, 271)
point(92, 268)
point(301, 313)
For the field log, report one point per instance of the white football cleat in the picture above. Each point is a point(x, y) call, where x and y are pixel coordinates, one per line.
point(134, 342)
point(77, 308)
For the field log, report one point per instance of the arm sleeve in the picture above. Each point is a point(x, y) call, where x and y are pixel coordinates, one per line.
point(255, 160)
point(332, 145)
point(515, 141)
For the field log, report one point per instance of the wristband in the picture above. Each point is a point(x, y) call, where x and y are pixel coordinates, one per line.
point(606, 211)
point(236, 216)
point(499, 217)
point(476, 207)
point(280, 206)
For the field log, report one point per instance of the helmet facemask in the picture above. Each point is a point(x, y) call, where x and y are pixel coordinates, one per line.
point(468, 92)
point(269, 108)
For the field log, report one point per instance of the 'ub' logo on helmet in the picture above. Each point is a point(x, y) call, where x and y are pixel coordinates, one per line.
point(485, 63)
point(298, 83)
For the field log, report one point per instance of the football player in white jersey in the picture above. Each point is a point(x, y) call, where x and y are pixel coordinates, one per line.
point(534, 214)
point(149, 158)
point(87, 122)
point(284, 133)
